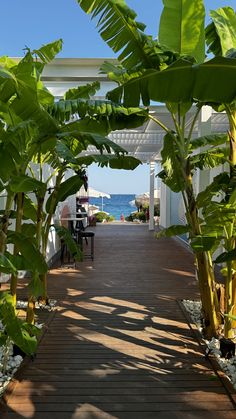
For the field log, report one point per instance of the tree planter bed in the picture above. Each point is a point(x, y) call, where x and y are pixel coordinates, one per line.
point(18, 362)
point(210, 351)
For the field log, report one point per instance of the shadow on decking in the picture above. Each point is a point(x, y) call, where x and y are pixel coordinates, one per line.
point(119, 345)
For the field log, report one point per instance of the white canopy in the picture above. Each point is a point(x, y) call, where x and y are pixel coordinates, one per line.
point(93, 193)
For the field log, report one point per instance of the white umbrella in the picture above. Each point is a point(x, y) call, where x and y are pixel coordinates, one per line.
point(93, 193)
point(145, 197)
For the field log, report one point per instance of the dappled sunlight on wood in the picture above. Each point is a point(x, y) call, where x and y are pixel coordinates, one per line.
point(73, 315)
point(119, 345)
point(73, 292)
point(94, 412)
point(122, 303)
point(133, 315)
point(181, 273)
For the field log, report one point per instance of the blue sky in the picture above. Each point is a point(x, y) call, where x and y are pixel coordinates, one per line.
point(33, 23)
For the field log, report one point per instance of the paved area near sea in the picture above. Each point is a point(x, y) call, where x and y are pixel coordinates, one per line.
point(119, 345)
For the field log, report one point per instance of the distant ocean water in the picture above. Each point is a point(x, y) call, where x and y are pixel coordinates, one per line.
point(118, 204)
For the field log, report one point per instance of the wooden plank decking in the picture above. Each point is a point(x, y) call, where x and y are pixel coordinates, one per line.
point(119, 345)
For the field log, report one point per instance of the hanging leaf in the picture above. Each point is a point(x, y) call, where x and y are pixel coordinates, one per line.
point(82, 92)
point(35, 286)
point(25, 183)
point(86, 139)
point(20, 332)
point(210, 140)
point(210, 158)
point(174, 230)
point(67, 188)
point(8, 85)
point(64, 153)
point(172, 173)
point(114, 162)
point(219, 214)
point(204, 243)
point(73, 247)
point(6, 265)
point(29, 251)
point(30, 210)
point(18, 261)
point(28, 230)
point(220, 183)
point(7, 166)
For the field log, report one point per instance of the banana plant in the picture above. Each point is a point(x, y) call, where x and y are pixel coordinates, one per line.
point(218, 224)
point(16, 330)
point(26, 123)
point(71, 139)
point(221, 40)
point(147, 82)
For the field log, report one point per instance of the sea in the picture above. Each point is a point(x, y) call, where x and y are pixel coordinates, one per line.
point(117, 205)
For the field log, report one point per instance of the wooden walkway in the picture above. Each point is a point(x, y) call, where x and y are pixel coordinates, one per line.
point(119, 345)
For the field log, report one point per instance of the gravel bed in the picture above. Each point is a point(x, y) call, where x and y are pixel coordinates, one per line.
point(227, 365)
point(9, 363)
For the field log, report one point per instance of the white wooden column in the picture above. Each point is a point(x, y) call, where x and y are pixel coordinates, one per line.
point(164, 206)
point(151, 199)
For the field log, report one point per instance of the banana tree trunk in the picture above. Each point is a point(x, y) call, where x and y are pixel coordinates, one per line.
point(48, 222)
point(205, 272)
point(30, 310)
point(31, 298)
point(5, 222)
point(234, 295)
point(230, 283)
point(228, 330)
point(19, 217)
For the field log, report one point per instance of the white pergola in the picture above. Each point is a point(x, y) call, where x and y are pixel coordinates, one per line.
point(145, 142)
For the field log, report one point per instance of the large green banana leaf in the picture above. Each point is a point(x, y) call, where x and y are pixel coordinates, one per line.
point(209, 140)
point(171, 174)
point(67, 188)
point(6, 265)
point(48, 52)
point(25, 183)
point(63, 110)
point(86, 139)
point(29, 251)
point(182, 27)
point(20, 332)
point(118, 27)
point(82, 92)
point(114, 162)
point(221, 32)
point(8, 84)
point(212, 81)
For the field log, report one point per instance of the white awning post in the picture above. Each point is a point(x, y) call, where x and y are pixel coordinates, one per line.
point(151, 199)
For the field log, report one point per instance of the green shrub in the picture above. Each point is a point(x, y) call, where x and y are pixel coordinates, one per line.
point(102, 216)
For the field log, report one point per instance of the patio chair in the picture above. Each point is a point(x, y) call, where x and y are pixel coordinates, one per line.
point(81, 234)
